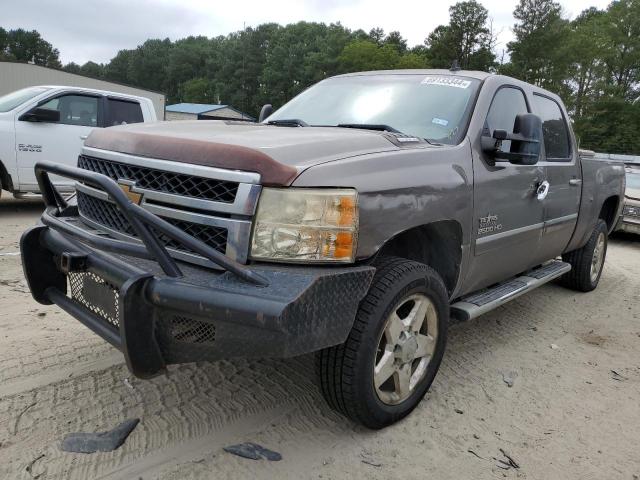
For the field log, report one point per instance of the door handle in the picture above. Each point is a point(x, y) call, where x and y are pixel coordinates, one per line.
point(574, 182)
point(83, 137)
point(543, 190)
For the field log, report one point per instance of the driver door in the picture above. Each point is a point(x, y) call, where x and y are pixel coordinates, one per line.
point(58, 142)
point(508, 217)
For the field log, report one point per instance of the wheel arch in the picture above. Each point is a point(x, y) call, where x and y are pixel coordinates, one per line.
point(437, 244)
point(609, 211)
point(6, 183)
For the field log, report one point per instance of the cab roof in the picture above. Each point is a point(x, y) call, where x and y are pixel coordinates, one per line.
point(423, 71)
point(474, 74)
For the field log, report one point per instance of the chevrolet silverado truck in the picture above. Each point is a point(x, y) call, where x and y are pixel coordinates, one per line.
point(353, 222)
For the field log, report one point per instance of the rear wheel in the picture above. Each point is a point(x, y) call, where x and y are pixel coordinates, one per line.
point(587, 262)
point(394, 350)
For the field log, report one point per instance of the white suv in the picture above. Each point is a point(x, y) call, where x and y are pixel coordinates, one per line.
point(51, 123)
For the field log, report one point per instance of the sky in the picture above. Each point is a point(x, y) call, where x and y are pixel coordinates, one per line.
point(96, 30)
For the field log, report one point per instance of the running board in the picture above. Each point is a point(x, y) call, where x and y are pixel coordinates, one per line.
point(485, 300)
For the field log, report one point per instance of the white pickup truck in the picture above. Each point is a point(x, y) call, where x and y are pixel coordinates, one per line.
point(51, 123)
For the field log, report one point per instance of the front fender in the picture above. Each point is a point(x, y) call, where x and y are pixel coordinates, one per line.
point(401, 190)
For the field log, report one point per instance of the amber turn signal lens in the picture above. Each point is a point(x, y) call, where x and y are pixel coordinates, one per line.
point(306, 225)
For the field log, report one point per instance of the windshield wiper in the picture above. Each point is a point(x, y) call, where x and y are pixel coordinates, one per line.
point(381, 127)
point(289, 122)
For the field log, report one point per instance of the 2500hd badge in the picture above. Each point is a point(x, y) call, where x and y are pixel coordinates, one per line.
point(489, 224)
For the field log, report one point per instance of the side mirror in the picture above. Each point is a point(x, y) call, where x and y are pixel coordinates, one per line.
point(525, 141)
point(265, 112)
point(39, 114)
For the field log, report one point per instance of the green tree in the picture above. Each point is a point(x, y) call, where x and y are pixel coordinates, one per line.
point(366, 55)
point(72, 67)
point(396, 40)
point(586, 47)
point(237, 62)
point(605, 77)
point(622, 55)
point(467, 38)
point(539, 54)
point(92, 69)
point(118, 68)
point(28, 46)
point(4, 37)
point(198, 90)
point(363, 55)
point(148, 64)
point(611, 124)
point(299, 55)
point(187, 60)
point(376, 35)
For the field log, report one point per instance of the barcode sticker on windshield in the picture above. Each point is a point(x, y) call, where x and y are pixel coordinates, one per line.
point(440, 121)
point(447, 82)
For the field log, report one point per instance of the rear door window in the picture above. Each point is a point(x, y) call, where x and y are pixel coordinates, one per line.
point(554, 129)
point(123, 112)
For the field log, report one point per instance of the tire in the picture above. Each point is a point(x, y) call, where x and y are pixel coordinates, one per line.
point(346, 371)
point(587, 262)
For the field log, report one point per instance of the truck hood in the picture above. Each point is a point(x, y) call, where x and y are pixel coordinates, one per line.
point(278, 153)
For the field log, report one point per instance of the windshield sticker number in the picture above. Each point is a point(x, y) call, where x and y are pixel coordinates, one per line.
point(446, 82)
point(440, 121)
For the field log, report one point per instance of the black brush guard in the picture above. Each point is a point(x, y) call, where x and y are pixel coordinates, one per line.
point(179, 313)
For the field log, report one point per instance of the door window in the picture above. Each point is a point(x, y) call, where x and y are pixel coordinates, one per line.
point(554, 129)
point(122, 112)
point(75, 109)
point(507, 103)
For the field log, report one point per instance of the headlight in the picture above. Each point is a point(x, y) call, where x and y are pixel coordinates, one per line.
point(631, 210)
point(306, 225)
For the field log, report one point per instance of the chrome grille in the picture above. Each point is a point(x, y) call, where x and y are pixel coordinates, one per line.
point(163, 181)
point(214, 205)
point(107, 214)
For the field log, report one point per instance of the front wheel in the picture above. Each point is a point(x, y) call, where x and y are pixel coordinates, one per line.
point(587, 262)
point(394, 350)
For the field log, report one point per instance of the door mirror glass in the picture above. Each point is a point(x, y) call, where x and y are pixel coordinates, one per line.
point(39, 114)
point(524, 142)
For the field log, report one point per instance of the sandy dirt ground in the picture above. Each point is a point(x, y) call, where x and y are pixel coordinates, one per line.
point(573, 411)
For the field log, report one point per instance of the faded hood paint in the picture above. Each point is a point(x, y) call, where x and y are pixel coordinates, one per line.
point(279, 154)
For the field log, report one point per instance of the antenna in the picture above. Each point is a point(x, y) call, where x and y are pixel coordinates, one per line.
point(455, 66)
point(244, 54)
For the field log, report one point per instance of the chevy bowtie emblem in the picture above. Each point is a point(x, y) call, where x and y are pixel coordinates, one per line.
point(131, 195)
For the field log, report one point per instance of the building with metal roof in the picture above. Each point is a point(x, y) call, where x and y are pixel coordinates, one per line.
point(202, 111)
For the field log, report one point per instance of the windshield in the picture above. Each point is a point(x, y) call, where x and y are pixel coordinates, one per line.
point(434, 107)
point(14, 99)
point(633, 178)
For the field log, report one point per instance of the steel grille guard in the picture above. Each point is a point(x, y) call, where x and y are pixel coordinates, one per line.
point(140, 221)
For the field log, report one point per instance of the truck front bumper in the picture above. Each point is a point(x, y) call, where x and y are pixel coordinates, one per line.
point(157, 320)
point(159, 312)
